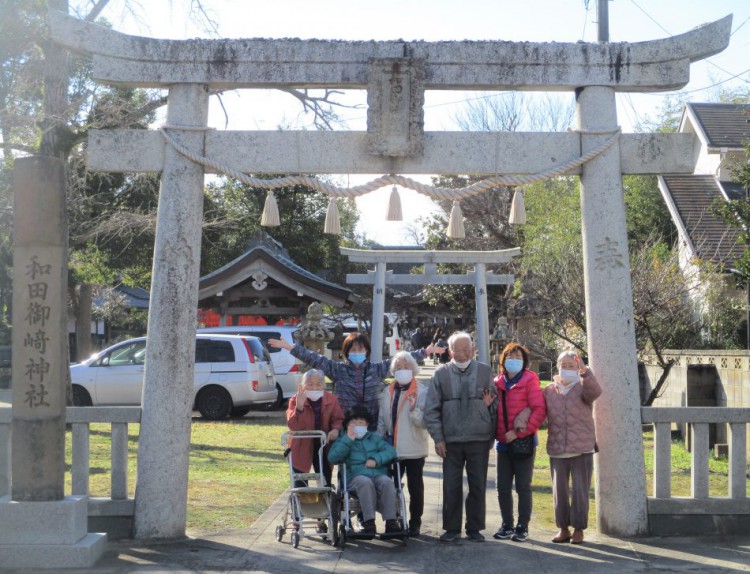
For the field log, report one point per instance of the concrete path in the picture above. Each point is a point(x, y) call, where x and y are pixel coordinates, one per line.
point(256, 550)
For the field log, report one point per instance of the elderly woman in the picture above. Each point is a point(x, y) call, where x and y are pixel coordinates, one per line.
point(401, 422)
point(356, 380)
point(571, 443)
point(313, 408)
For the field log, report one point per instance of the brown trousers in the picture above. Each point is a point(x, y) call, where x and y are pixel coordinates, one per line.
point(571, 479)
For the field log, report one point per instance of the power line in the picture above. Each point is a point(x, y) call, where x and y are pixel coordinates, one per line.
point(650, 17)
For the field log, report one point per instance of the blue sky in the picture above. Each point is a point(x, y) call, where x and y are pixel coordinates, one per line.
point(510, 20)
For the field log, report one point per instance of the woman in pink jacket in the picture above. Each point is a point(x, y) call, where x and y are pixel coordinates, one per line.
point(571, 443)
point(522, 405)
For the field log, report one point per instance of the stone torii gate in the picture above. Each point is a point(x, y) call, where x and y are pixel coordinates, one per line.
point(395, 74)
point(480, 278)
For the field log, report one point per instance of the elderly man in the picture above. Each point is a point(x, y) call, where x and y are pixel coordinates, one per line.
point(460, 415)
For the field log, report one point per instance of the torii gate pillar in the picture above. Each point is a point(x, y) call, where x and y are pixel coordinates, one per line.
point(620, 470)
point(170, 352)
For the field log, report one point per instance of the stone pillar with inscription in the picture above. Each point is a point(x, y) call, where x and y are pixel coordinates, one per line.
point(47, 529)
point(620, 471)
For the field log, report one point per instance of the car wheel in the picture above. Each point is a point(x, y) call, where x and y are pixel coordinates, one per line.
point(81, 397)
point(279, 402)
point(240, 411)
point(214, 403)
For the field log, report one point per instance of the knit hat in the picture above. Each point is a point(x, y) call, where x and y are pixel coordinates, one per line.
point(357, 412)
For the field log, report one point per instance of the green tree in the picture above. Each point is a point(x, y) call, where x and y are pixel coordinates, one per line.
point(736, 213)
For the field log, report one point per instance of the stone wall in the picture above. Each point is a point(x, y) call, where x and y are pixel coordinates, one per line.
point(701, 378)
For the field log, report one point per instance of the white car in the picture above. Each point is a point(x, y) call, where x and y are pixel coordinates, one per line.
point(231, 374)
point(285, 366)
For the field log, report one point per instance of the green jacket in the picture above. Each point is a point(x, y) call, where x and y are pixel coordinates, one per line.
point(355, 453)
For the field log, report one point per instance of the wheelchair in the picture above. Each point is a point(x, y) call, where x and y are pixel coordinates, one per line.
point(349, 508)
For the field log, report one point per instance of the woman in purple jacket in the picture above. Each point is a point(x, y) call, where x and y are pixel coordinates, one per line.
point(356, 381)
point(571, 443)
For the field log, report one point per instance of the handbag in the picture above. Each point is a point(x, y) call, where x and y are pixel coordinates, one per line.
point(521, 447)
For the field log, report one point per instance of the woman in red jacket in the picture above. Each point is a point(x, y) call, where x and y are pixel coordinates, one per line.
point(521, 410)
point(313, 408)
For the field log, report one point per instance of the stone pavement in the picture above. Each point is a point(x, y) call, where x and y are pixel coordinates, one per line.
point(256, 550)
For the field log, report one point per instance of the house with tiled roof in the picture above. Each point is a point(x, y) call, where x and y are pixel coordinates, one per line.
point(722, 131)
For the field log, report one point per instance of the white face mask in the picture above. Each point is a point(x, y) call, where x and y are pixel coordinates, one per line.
point(360, 431)
point(315, 395)
point(569, 377)
point(567, 381)
point(462, 365)
point(403, 376)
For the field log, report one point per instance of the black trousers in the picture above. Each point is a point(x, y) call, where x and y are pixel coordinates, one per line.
point(474, 457)
point(512, 471)
point(414, 469)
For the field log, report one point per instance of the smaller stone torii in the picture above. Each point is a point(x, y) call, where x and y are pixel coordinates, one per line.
point(395, 74)
point(380, 277)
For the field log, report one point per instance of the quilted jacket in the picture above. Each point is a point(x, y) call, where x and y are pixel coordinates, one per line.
point(570, 417)
point(525, 393)
point(355, 453)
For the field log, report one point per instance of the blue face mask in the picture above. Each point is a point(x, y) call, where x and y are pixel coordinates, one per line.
point(513, 366)
point(357, 358)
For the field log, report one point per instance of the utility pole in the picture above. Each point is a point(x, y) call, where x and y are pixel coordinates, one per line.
point(602, 12)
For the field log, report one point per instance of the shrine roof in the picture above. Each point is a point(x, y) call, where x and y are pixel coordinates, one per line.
point(271, 257)
point(135, 297)
point(690, 199)
point(721, 125)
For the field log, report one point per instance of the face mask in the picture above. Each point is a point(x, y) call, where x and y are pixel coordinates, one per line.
point(513, 366)
point(357, 358)
point(403, 376)
point(462, 365)
point(315, 395)
point(360, 432)
point(569, 377)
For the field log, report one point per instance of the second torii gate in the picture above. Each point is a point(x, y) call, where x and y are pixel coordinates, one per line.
point(480, 278)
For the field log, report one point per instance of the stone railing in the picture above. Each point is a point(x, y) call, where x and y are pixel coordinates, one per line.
point(113, 514)
point(669, 515)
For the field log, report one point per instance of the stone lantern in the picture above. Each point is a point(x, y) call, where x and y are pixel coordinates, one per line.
point(313, 333)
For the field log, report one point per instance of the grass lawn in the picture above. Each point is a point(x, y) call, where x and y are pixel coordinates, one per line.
point(237, 470)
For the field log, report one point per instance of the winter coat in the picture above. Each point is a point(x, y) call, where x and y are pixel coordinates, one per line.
point(570, 419)
point(451, 416)
point(355, 453)
point(525, 393)
point(360, 385)
point(331, 417)
point(410, 438)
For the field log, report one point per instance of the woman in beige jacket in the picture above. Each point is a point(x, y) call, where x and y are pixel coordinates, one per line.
point(571, 443)
point(400, 420)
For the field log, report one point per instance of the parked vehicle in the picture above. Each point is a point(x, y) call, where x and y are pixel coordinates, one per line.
point(285, 366)
point(231, 374)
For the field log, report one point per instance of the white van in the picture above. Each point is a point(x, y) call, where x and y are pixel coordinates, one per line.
point(286, 367)
point(231, 374)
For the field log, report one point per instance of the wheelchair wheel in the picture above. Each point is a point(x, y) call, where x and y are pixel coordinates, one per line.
point(295, 539)
point(280, 531)
point(333, 527)
point(342, 536)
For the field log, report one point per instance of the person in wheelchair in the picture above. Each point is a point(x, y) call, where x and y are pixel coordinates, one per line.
point(367, 457)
